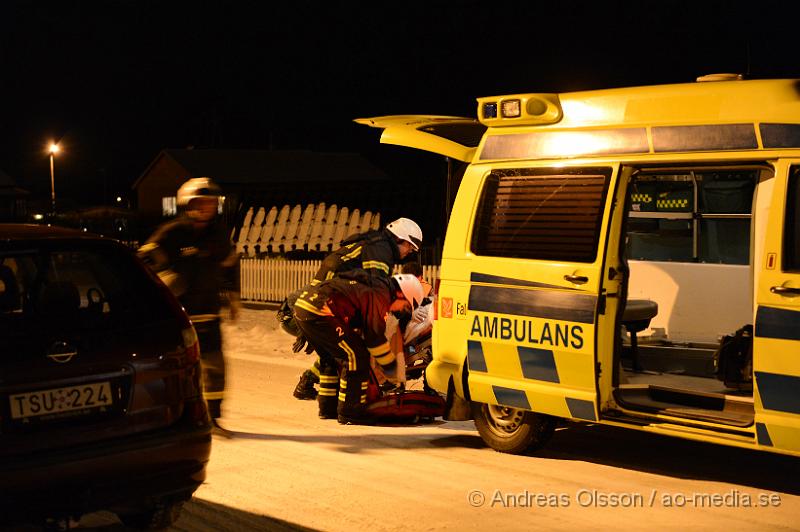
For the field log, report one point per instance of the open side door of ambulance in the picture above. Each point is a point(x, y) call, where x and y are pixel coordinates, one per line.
point(451, 136)
point(776, 345)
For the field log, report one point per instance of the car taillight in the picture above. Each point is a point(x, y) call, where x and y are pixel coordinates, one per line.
point(191, 344)
point(197, 410)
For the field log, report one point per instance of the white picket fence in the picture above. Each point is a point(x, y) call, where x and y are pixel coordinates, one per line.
point(270, 280)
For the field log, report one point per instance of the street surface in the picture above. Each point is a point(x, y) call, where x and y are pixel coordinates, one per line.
point(285, 469)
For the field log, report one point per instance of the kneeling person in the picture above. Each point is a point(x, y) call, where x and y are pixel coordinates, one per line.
point(345, 319)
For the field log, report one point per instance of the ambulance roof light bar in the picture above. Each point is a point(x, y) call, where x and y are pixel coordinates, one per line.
point(520, 109)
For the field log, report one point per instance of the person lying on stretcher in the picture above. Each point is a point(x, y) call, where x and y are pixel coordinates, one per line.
point(404, 332)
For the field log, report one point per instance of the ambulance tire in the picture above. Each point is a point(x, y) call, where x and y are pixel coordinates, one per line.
point(510, 430)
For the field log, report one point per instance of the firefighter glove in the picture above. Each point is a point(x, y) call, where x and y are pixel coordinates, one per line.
point(300, 343)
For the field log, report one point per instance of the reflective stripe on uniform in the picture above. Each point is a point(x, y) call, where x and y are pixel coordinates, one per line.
point(383, 354)
point(351, 356)
point(377, 265)
point(324, 311)
point(353, 254)
point(328, 385)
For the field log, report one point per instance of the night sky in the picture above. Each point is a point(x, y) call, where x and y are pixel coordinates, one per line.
point(116, 81)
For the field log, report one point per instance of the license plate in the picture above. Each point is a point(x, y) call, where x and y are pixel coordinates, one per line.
point(56, 401)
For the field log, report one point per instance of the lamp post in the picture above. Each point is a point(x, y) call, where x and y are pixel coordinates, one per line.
point(53, 150)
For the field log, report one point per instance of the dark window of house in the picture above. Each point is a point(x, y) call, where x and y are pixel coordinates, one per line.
point(791, 233)
point(548, 214)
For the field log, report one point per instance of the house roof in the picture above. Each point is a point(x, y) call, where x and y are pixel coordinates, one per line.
point(9, 188)
point(5, 180)
point(266, 166)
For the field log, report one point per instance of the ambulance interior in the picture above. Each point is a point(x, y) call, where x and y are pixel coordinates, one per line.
point(692, 234)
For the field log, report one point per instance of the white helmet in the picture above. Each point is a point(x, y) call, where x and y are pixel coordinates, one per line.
point(198, 187)
point(411, 288)
point(406, 229)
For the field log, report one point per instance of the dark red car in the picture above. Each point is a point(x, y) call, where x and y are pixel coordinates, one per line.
point(101, 403)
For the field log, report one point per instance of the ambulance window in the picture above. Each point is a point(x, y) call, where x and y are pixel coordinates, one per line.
point(542, 213)
point(692, 216)
point(791, 233)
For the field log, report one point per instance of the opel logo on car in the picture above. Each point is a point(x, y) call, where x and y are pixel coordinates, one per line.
point(61, 352)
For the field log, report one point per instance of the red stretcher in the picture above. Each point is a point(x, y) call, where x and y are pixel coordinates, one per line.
point(398, 404)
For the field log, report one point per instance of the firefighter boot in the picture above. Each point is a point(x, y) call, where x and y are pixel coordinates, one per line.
point(327, 406)
point(352, 409)
point(305, 387)
point(328, 388)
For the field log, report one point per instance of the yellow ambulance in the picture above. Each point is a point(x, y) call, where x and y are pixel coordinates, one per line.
point(628, 257)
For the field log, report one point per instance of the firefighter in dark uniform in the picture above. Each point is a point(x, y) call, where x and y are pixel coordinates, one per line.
point(194, 257)
point(376, 252)
point(345, 319)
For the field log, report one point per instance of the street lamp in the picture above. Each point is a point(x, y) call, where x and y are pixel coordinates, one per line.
point(53, 150)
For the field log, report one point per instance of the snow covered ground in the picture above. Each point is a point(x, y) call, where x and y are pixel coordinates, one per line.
point(285, 469)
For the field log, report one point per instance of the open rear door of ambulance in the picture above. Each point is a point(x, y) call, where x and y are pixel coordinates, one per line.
point(776, 345)
point(451, 136)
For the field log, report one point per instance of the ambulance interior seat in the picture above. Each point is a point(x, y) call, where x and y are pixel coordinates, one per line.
point(636, 318)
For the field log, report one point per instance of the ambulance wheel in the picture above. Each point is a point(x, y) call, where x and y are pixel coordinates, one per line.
point(513, 431)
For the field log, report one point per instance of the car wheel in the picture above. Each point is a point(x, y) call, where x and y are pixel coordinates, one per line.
point(158, 517)
point(510, 430)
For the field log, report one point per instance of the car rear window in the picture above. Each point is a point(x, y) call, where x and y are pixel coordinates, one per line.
point(85, 285)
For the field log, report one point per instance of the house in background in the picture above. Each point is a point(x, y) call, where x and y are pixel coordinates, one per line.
point(264, 178)
point(13, 200)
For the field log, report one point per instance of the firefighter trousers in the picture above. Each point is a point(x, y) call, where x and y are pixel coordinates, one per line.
point(344, 363)
point(212, 360)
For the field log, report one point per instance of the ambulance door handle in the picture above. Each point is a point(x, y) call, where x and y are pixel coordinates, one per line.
point(785, 291)
point(577, 279)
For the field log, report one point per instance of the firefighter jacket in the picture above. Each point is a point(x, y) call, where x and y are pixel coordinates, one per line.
point(375, 252)
point(197, 264)
point(361, 302)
